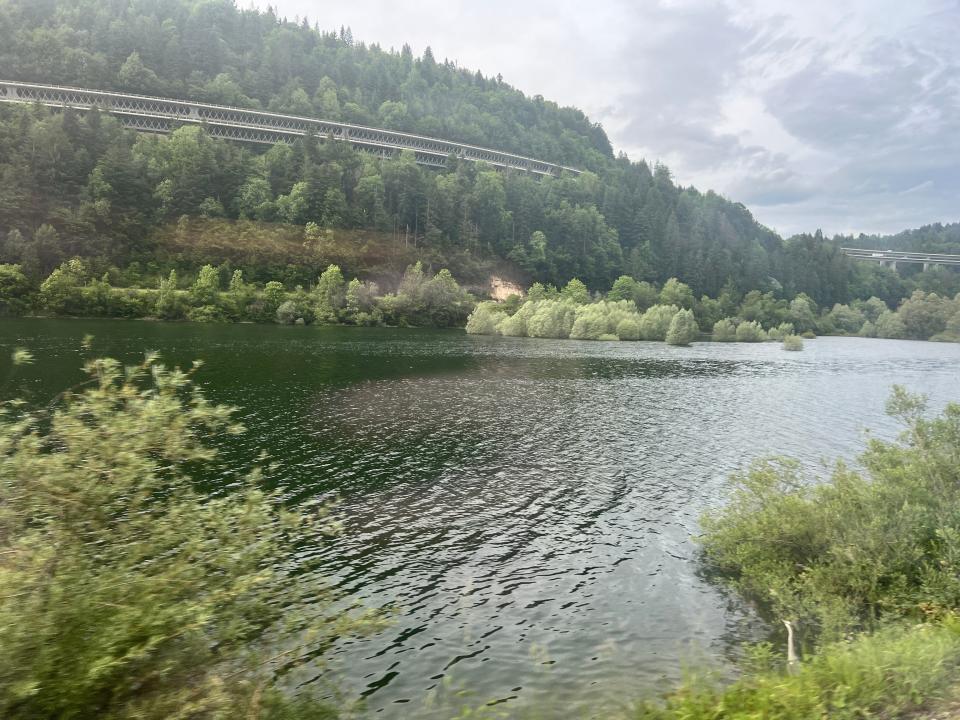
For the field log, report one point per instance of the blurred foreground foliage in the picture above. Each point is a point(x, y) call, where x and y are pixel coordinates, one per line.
point(127, 593)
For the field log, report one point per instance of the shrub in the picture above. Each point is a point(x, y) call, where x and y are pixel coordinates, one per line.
point(860, 551)
point(780, 332)
point(124, 591)
point(803, 312)
point(884, 675)
point(609, 337)
point(683, 329)
point(750, 331)
point(589, 325)
point(676, 293)
point(793, 342)
point(294, 312)
point(551, 319)
point(808, 335)
point(628, 329)
point(485, 318)
point(843, 554)
point(724, 331)
point(445, 303)
point(60, 292)
point(642, 294)
point(576, 292)
point(516, 325)
point(952, 332)
point(845, 319)
point(170, 303)
point(871, 308)
point(206, 314)
point(889, 325)
point(15, 290)
point(206, 289)
point(924, 314)
point(329, 295)
point(655, 322)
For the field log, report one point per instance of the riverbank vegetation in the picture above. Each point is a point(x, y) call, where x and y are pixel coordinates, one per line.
point(75, 185)
point(70, 290)
point(890, 674)
point(125, 591)
point(633, 310)
point(865, 565)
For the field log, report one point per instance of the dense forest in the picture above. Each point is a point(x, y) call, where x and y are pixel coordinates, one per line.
point(137, 207)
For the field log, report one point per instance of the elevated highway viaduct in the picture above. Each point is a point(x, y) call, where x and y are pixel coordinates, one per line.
point(163, 115)
point(892, 258)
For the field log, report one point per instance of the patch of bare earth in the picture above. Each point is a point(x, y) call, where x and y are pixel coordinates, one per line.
point(501, 289)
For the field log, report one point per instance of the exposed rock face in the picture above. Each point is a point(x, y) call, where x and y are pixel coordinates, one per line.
point(501, 289)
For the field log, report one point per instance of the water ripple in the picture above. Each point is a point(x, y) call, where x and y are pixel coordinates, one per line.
point(523, 508)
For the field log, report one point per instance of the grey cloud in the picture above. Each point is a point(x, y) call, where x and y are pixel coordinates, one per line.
point(853, 119)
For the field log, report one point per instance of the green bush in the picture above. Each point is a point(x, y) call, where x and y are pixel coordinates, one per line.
point(844, 319)
point(125, 592)
point(171, 303)
point(60, 293)
point(839, 555)
point(677, 293)
point(924, 314)
point(655, 322)
point(206, 288)
point(609, 337)
point(628, 329)
point(590, 323)
point(724, 331)
point(750, 331)
point(329, 295)
point(576, 292)
point(780, 332)
point(885, 675)
point(889, 325)
point(793, 342)
point(485, 318)
point(16, 290)
point(683, 329)
point(516, 325)
point(551, 319)
point(295, 312)
point(206, 314)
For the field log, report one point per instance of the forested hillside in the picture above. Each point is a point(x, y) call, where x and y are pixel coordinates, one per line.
point(209, 50)
point(74, 185)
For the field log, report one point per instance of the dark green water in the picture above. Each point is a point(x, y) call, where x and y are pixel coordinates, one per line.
point(526, 505)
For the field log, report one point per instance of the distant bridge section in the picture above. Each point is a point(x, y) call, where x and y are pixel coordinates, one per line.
point(162, 115)
point(891, 258)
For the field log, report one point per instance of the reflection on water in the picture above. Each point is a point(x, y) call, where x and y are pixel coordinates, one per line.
point(525, 506)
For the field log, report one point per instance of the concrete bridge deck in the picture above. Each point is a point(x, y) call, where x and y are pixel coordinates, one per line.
point(892, 258)
point(163, 115)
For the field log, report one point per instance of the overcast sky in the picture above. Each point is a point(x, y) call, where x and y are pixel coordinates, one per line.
point(837, 114)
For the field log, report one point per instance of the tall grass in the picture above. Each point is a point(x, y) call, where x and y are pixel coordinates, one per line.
point(893, 671)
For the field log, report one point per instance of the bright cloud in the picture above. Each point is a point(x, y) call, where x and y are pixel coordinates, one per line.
point(843, 116)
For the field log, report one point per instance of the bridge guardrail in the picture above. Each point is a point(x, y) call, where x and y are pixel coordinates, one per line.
point(247, 123)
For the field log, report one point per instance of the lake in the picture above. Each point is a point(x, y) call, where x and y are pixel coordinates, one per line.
point(525, 507)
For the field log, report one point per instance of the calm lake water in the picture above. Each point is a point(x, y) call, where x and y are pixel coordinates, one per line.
point(525, 506)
